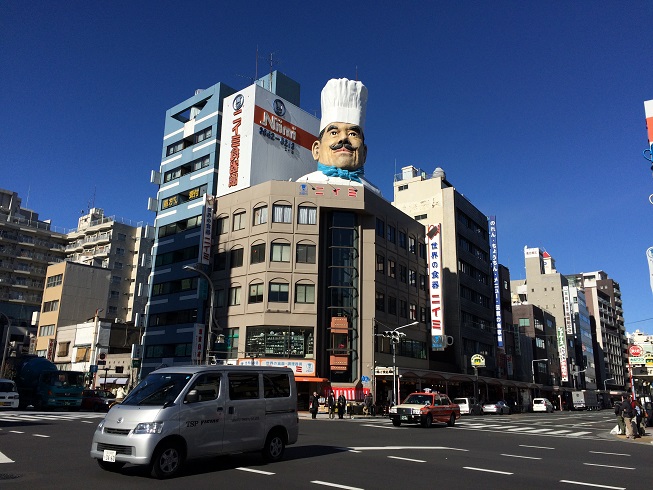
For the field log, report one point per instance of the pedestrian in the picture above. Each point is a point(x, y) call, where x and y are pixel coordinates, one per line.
point(313, 404)
point(342, 403)
point(331, 404)
point(649, 414)
point(627, 413)
point(368, 404)
point(620, 418)
point(639, 416)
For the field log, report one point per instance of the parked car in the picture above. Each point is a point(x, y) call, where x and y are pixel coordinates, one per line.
point(542, 405)
point(500, 407)
point(97, 400)
point(424, 408)
point(9, 397)
point(469, 406)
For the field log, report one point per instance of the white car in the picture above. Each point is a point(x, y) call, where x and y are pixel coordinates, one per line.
point(542, 405)
point(468, 406)
point(500, 407)
point(9, 397)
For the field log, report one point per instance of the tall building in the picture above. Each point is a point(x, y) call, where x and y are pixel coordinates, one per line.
point(540, 326)
point(605, 307)
point(467, 285)
point(27, 246)
point(579, 335)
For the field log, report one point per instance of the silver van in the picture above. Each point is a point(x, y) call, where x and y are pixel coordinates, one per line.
point(181, 413)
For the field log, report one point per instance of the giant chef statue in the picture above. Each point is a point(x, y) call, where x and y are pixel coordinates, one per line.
point(340, 149)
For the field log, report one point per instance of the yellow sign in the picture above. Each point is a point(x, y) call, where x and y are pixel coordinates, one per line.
point(478, 360)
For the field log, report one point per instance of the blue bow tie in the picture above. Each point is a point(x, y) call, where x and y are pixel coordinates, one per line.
point(353, 175)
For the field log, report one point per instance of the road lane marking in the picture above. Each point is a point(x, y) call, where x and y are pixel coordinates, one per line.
point(5, 459)
point(518, 456)
point(534, 431)
point(486, 470)
point(408, 459)
point(335, 485)
point(39, 435)
point(609, 454)
point(380, 426)
point(609, 466)
point(591, 484)
point(536, 447)
point(87, 422)
point(395, 448)
point(16, 432)
point(561, 431)
point(260, 472)
point(577, 434)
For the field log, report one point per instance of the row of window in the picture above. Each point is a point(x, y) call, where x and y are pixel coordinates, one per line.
point(409, 243)
point(182, 197)
point(400, 307)
point(305, 253)
point(473, 272)
point(180, 226)
point(471, 224)
point(181, 255)
point(191, 140)
point(278, 292)
point(468, 246)
point(281, 213)
point(53, 281)
point(187, 168)
point(474, 296)
point(51, 305)
point(405, 275)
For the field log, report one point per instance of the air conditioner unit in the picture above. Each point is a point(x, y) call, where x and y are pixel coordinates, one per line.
point(119, 320)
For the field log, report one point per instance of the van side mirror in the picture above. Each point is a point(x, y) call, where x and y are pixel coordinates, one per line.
point(192, 397)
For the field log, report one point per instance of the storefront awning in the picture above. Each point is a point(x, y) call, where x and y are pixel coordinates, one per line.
point(311, 379)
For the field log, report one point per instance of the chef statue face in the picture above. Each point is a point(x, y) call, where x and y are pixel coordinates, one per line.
point(341, 145)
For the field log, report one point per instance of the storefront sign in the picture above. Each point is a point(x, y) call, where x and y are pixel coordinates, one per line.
point(494, 257)
point(434, 244)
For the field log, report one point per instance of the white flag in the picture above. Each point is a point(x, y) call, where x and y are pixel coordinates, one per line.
point(649, 256)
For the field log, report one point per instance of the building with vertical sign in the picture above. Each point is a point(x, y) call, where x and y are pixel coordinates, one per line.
point(466, 284)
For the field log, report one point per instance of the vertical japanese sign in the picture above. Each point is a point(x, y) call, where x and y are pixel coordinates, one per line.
point(434, 243)
point(207, 229)
point(566, 299)
point(198, 344)
point(494, 256)
point(562, 352)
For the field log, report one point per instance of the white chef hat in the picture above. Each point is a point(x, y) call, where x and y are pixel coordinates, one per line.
point(343, 101)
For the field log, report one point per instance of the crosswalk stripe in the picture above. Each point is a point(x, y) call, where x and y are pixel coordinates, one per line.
point(5, 459)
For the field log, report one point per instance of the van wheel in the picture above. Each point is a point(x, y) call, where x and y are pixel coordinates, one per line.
point(274, 447)
point(396, 422)
point(110, 466)
point(167, 460)
point(452, 420)
point(427, 422)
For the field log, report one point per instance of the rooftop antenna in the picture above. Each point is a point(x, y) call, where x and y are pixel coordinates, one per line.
point(356, 73)
point(27, 200)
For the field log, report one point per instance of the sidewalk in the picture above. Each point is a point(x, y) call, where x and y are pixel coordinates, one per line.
point(325, 416)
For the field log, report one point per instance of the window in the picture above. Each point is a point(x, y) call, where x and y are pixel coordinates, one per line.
point(305, 253)
point(392, 231)
point(422, 282)
point(412, 245)
point(243, 386)
point(391, 268)
point(120, 251)
point(278, 292)
point(220, 261)
point(46, 330)
point(524, 322)
point(207, 387)
point(256, 293)
point(402, 187)
point(412, 312)
point(117, 265)
point(403, 308)
point(422, 314)
point(239, 221)
point(236, 258)
point(380, 227)
point(402, 239)
point(221, 225)
point(422, 250)
point(260, 215)
point(114, 294)
point(63, 348)
point(412, 278)
point(234, 296)
point(305, 293)
point(281, 213)
point(276, 386)
point(403, 275)
point(203, 135)
point(51, 305)
point(380, 301)
point(307, 215)
point(258, 253)
point(380, 263)
point(392, 305)
point(280, 252)
point(54, 281)
point(420, 216)
point(220, 298)
point(180, 226)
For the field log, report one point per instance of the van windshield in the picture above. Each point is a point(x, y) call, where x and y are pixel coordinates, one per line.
point(157, 389)
point(6, 386)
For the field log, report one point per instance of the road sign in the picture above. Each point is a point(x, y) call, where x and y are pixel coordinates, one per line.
point(478, 360)
point(635, 350)
point(93, 368)
point(365, 379)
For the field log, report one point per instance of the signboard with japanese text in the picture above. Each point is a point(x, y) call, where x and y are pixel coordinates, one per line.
point(494, 258)
point(301, 367)
point(434, 256)
point(198, 343)
point(207, 230)
point(264, 137)
point(562, 352)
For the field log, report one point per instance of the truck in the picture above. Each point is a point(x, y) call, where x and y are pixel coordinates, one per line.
point(43, 386)
point(585, 400)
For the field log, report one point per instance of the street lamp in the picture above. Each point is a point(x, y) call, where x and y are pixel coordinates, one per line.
point(209, 330)
point(94, 345)
point(533, 364)
point(576, 373)
point(395, 337)
point(605, 383)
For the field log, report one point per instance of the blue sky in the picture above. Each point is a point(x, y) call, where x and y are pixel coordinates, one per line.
point(534, 109)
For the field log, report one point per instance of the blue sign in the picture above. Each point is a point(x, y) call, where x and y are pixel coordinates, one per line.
point(365, 379)
point(94, 368)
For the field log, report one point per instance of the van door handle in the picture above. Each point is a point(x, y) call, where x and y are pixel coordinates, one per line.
point(230, 410)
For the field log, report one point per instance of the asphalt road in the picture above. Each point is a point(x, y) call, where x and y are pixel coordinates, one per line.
point(560, 450)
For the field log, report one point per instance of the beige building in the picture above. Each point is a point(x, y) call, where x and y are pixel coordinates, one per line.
point(302, 274)
point(467, 285)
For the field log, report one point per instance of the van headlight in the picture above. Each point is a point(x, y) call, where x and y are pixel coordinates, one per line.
point(100, 426)
point(149, 428)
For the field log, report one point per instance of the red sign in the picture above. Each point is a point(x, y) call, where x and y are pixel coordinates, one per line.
point(635, 350)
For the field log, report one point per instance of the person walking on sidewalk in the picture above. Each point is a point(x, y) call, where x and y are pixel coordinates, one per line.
point(627, 414)
point(342, 402)
point(620, 418)
point(331, 404)
point(314, 404)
